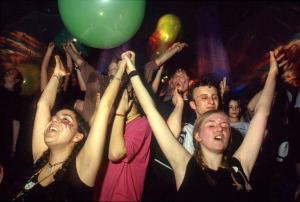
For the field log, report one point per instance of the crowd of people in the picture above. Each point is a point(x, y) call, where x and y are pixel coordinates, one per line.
point(124, 136)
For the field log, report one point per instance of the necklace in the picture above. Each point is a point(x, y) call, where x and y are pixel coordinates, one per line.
point(32, 183)
point(131, 117)
point(50, 166)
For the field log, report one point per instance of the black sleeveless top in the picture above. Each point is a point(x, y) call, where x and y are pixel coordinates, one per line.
point(69, 188)
point(228, 184)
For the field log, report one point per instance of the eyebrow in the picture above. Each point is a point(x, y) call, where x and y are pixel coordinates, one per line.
point(213, 121)
point(208, 94)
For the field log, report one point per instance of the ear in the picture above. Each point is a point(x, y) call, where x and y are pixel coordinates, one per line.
point(78, 137)
point(192, 104)
point(197, 137)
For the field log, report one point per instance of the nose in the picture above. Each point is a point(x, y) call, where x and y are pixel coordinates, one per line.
point(210, 100)
point(55, 119)
point(218, 127)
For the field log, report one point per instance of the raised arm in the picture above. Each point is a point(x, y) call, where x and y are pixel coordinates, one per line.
point(162, 59)
point(69, 67)
point(177, 156)
point(175, 119)
point(44, 106)
point(85, 69)
point(81, 82)
point(44, 66)
point(117, 148)
point(90, 156)
point(249, 149)
point(170, 52)
point(157, 79)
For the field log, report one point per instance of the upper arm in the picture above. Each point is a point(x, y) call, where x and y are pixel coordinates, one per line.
point(249, 149)
point(42, 118)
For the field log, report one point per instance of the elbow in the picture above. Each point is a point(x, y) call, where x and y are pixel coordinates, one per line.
point(116, 156)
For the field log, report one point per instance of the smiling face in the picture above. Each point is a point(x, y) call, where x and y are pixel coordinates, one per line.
point(62, 129)
point(213, 132)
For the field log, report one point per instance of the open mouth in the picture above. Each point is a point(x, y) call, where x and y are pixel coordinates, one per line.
point(219, 137)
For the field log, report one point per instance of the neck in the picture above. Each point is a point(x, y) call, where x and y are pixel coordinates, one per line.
point(212, 160)
point(59, 156)
point(133, 114)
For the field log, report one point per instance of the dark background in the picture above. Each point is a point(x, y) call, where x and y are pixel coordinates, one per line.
point(248, 30)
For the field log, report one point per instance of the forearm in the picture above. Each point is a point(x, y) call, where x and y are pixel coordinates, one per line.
point(149, 70)
point(265, 100)
point(66, 82)
point(175, 120)
point(44, 66)
point(76, 57)
point(117, 149)
point(156, 81)
point(165, 57)
point(49, 94)
point(81, 82)
point(69, 63)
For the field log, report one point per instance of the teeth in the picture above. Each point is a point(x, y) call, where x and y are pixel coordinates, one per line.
point(53, 129)
point(219, 137)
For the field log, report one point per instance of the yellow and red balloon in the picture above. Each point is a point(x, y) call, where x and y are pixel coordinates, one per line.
point(166, 32)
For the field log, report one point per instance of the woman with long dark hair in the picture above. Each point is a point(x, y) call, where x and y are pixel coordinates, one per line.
point(66, 154)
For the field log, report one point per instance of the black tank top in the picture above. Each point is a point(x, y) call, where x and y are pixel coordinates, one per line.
point(229, 184)
point(69, 188)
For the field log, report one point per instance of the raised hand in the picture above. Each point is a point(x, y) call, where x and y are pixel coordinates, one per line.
point(273, 63)
point(59, 69)
point(129, 56)
point(124, 104)
point(51, 46)
point(72, 46)
point(223, 86)
point(177, 98)
point(178, 46)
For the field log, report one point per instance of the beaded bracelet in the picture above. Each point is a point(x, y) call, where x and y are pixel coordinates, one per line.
point(133, 73)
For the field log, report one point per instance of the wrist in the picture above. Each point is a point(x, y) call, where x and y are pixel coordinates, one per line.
point(120, 114)
point(132, 73)
point(58, 77)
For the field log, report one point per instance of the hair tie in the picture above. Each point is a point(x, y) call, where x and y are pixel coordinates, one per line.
point(133, 73)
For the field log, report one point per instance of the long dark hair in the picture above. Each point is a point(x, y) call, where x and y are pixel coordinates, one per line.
point(43, 160)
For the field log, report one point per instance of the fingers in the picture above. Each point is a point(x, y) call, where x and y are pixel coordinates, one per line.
point(57, 59)
point(273, 63)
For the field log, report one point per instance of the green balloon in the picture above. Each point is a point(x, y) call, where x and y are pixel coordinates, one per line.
point(64, 36)
point(102, 23)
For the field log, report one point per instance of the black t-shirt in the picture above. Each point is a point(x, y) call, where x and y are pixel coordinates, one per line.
point(10, 103)
point(222, 185)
